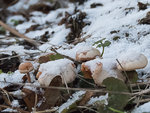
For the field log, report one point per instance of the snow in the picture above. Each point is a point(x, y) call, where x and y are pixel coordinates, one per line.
point(54, 67)
point(129, 56)
point(102, 99)
point(142, 109)
point(31, 87)
point(15, 77)
point(16, 18)
point(92, 64)
point(15, 103)
point(76, 96)
point(62, 67)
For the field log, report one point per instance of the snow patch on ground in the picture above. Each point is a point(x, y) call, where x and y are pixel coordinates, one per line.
point(143, 108)
point(15, 77)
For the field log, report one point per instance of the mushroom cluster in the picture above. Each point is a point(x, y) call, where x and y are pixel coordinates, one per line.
point(100, 69)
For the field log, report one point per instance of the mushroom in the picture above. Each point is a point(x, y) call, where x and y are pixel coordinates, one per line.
point(62, 67)
point(26, 67)
point(100, 69)
point(91, 68)
point(131, 61)
point(87, 53)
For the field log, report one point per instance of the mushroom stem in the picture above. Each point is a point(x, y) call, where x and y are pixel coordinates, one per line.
point(28, 77)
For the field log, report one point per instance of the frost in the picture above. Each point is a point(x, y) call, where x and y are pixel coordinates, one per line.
point(76, 96)
point(102, 99)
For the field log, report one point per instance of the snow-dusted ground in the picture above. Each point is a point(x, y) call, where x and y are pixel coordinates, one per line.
point(113, 15)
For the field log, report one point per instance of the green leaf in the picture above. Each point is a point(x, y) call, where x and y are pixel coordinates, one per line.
point(100, 45)
point(56, 57)
point(133, 76)
point(106, 43)
point(9, 72)
point(99, 41)
point(117, 101)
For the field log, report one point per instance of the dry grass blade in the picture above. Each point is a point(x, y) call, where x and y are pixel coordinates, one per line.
point(36, 99)
point(128, 81)
point(6, 98)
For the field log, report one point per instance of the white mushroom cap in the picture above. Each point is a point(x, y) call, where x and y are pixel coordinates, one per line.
point(132, 61)
point(87, 53)
point(25, 67)
point(102, 69)
point(91, 68)
point(63, 67)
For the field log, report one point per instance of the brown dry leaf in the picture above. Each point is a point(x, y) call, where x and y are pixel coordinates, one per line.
point(45, 58)
point(32, 28)
point(86, 98)
point(24, 78)
point(51, 95)
point(41, 7)
point(29, 99)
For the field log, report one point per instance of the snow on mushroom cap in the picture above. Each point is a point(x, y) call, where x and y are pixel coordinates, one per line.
point(108, 69)
point(63, 67)
point(87, 53)
point(25, 67)
point(131, 61)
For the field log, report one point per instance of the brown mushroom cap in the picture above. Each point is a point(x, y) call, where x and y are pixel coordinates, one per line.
point(87, 53)
point(25, 67)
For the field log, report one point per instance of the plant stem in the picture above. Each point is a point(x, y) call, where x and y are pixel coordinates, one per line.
point(102, 51)
point(28, 77)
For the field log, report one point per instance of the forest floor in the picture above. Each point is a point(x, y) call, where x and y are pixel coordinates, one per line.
point(50, 34)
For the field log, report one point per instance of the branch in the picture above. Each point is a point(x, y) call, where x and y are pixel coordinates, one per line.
point(79, 40)
point(15, 32)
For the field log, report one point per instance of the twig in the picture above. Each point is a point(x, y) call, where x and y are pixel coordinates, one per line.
point(79, 76)
point(15, 32)
point(125, 75)
point(79, 40)
point(52, 49)
point(142, 92)
point(69, 88)
point(7, 95)
point(90, 109)
point(140, 84)
point(11, 57)
point(36, 99)
point(48, 110)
